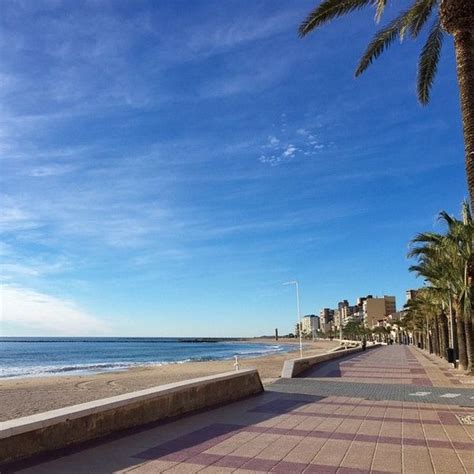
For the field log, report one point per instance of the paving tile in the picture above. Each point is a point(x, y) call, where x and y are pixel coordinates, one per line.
point(255, 446)
point(359, 456)
point(416, 459)
point(387, 458)
point(184, 468)
point(216, 469)
point(467, 460)
point(370, 427)
point(279, 449)
point(349, 426)
point(332, 453)
point(289, 467)
point(391, 429)
point(347, 423)
point(257, 464)
point(233, 462)
point(435, 432)
point(305, 450)
point(446, 461)
point(320, 469)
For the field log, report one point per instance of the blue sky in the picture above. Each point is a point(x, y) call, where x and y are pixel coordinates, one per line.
point(167, 165)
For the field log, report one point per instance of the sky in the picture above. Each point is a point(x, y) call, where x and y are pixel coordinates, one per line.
point(167, 165)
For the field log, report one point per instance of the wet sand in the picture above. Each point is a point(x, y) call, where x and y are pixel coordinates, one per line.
point(28, 396)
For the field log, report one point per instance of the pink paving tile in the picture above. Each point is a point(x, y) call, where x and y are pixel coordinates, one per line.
point(332, 453)
point(320, 469)
point(387, 457)
point(359, 456)
point(230, 461)
point(216, 470)
point(257, 464)
point(289, 467)
point(184, 468)
point(446, 460)
point(416, 459)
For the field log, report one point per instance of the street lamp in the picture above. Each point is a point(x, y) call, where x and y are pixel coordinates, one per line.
point(294, 282)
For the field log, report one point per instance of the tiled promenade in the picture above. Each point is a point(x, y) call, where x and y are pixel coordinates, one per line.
point(387, 410)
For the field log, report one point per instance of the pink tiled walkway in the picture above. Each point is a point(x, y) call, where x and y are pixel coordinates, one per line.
point(294, 433)
point(395, 365)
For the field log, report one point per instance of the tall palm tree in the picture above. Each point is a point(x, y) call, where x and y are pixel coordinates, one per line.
point(455, 17)
point(420, 313)
point(443, 260)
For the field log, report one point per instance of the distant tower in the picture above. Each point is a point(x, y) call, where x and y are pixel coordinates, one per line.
point(410, 294)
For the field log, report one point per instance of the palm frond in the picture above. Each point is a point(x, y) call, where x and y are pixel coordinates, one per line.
point(379, 9)
point(418, 16)
point(382, 40)
point(449, 220)
point(427, 237)
point(327, 11)
point(466, 214)
point(428, 62)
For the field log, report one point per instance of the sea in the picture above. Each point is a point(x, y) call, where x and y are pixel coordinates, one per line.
point(48, 356)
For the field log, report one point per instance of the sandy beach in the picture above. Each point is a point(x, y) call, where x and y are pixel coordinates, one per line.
point(28, 396)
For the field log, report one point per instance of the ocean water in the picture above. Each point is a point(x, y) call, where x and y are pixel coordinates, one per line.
point(43, 356)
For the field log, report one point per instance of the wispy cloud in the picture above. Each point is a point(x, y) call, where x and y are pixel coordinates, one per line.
point(15, 217)
point(38, 313)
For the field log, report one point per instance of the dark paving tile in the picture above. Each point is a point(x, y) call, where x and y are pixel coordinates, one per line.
point(257, 464)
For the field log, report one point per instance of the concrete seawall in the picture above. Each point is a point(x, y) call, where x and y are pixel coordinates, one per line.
point(29, 436)
point(294, 367)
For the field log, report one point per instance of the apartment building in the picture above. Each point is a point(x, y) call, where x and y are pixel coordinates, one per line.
point(346, 313)
point(377, 309)
point(310, 324)
point(326, 320)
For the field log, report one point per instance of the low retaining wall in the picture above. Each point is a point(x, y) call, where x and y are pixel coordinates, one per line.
point(294, 367)
point(52, 430)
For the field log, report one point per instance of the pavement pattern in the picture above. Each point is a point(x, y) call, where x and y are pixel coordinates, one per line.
point(388, 410)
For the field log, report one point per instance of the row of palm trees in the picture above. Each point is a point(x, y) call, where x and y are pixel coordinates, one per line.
point(357, 331)
point(440, 315)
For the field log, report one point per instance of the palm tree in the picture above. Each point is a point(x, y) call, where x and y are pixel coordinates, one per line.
point(443, 260)
point(455, 17)
point(419, 318)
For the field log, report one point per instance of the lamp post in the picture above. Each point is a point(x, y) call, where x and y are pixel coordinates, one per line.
point(295, 282)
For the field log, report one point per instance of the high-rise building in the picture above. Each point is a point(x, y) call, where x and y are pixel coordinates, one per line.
point(326, 319)
point(345, 313)
point(376, 309)
point(309, 324)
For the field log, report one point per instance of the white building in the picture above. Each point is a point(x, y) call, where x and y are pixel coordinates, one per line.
point(310, 324)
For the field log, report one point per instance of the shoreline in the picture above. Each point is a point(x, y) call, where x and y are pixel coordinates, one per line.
point(102, 367)
point(31, 395)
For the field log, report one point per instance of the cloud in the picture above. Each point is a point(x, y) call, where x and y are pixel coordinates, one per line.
point(219, 32)
point(290, 151)
point(36, 312)
point(14, 217)
point(287, 143)
point(49, 170)
point(247, 75)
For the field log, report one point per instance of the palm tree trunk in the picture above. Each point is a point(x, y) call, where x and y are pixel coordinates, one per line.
point(436, 346)
point(457, 18)
point(434, 337)
point(464, 46)
point(454, 331)
point(444, 334)
point(469, 343)
point(462, 350)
